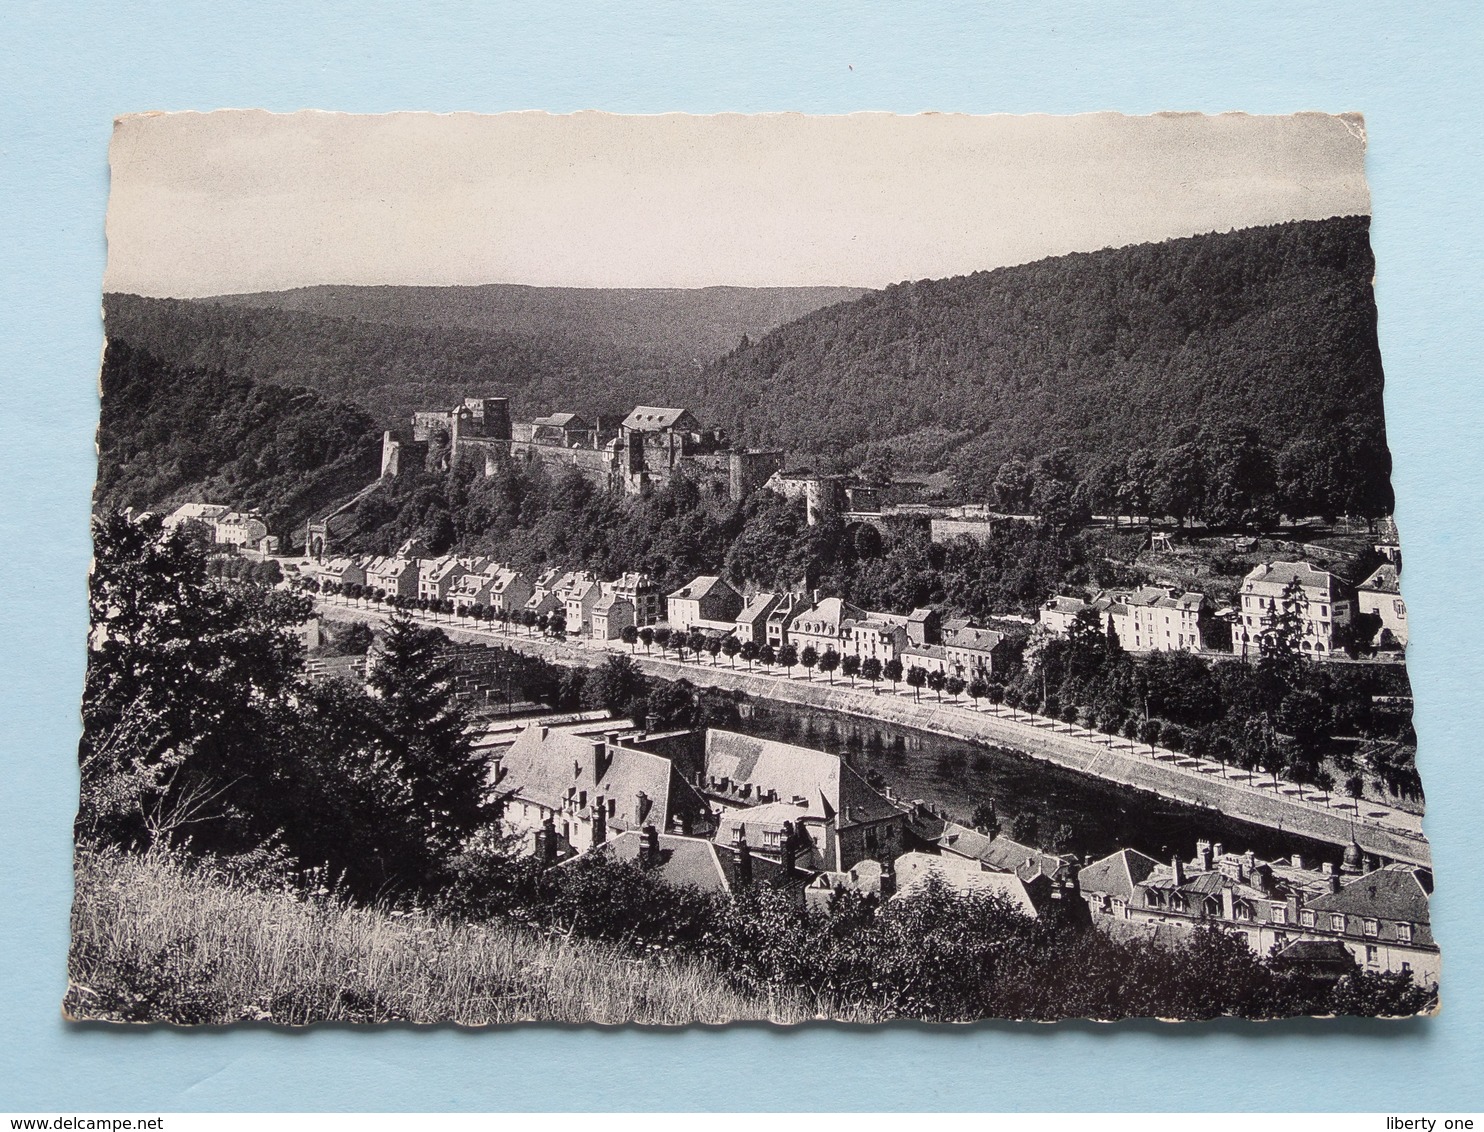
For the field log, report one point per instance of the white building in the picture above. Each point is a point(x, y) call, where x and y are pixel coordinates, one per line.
point(1318, 596)
point(1381, 594)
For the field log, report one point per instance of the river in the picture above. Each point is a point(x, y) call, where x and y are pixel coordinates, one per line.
point(956, 775)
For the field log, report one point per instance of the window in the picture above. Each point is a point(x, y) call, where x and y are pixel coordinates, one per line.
point(1370, 954)
point(772, 839)
point(1280, 914)
point(1242, 912)
point(1404, 933)
point(1306, 918)
point(1337, 923)
point(1372, 927)
point(1152, 899)
point(1406, 968)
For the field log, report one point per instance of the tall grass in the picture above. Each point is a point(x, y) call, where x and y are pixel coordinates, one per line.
point(155, 942)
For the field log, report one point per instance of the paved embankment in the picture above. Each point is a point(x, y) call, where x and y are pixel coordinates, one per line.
point(1388, 833)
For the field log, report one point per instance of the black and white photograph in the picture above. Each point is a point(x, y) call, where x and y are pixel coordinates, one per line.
point(689, 569)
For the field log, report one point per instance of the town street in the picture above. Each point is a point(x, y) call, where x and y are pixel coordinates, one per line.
point(1378, 829)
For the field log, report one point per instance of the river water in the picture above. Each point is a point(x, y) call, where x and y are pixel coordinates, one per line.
point(957, 774)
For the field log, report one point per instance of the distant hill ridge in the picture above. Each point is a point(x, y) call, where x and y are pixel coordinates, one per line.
point(396, 349)
point(1268, 329)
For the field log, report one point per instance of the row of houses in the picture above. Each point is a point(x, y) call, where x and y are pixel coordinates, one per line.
point(1157, 619)
point(592, 608)
point(717, 809)
point(922, 638)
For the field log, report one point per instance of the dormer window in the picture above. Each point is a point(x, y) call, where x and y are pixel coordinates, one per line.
point(1306, 918)
point(1337, 923)
point(1404, 933)
point(1372, 927)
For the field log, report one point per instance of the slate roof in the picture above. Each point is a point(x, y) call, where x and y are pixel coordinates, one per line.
point(700, 588)
point(549, 769)
point(759, 606)
point(1000, 853)
point(561, 420)
point(1383, 580)
point(1395, 893)
point(1283, 573)
point(1118, 874)
point(684, 861)
point(651, 418)
point(965, 877)
point(828, 787)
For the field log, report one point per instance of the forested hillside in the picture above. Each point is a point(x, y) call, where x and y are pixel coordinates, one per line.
point(171, 433)
point(1103, 353)
point(396, 349)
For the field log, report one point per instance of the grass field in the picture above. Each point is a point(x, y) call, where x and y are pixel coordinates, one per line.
point(153, 942)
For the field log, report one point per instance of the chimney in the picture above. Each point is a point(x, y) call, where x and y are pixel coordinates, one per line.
point(1334, 882)
point(787, 849)
point(1297, 861)
point(888, 879)
point(1218, 850)
point(549, 839)
point(1203, 855)
point(651, 854)
point(1177, 866)
point(744, 864)
point(1249, 860)
point(600, 821)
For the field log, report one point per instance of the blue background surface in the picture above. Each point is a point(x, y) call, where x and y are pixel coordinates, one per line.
point(68, 69)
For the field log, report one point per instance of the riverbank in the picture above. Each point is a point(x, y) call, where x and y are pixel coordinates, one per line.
point(1379, 830)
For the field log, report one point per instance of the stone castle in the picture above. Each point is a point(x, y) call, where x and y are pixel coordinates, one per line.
point(649, 448)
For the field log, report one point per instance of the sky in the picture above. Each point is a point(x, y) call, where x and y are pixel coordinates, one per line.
point(235, 201)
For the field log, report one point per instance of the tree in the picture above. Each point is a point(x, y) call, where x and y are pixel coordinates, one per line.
point(829, 660)
point(1013, 699)
point(917, 677)
point(937, 680)
point(661, 635)
point(1223, 750)
point(749, 652)
point(1325, 781)
point(768, 655)
point(809, 658)
point(871, 670)
point(892, 670)
point(697, 640)
point(185, 676)
point(1355, 788)
point(954, 686)
point(788, 656)
point(1173, 738)
point(850, 666)
point(613, 685)
point(1025, 827)
point(444, 778)
point(1069, 714)
point(1180, 480)
point(629, 634)
point(1132, 728)
point(1305, 716)
point(714, 646)
point(978, 688)
point(1150, 732)
point(985, 818)
point(646, 634)
point(731, 646)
